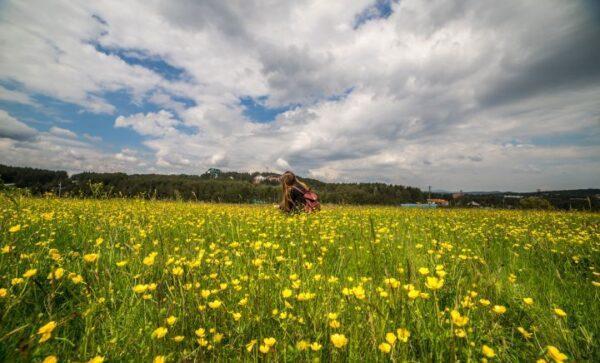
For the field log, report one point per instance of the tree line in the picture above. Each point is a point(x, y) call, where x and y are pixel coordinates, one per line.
point(227, 187)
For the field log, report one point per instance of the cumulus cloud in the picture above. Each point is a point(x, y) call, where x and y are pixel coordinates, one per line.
point(159, 124)
point(464, 94)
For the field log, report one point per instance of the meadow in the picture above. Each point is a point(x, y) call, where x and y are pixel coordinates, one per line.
point(137, 280)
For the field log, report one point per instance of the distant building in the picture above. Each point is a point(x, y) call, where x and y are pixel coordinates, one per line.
point(458, 195)
point(438, 202)
point(473, 204)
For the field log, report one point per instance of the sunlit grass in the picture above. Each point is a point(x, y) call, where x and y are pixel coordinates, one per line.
point(135, 280)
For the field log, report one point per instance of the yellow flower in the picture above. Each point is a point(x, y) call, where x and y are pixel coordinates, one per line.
point(460, 333)
point(200, 332)
point(178, 338)
point(159, 359)
point(433, 283)
point(555, 354)
point(315, 346)
point(177, 271)
point(264, 349)
point(141, 288)
point(171, 320)
point(90, 257)
point(96, 359)
point(524, 332)
point(56, 274)
point(413, 294)
point(424, 271)
point(499, 309)
point(77, 279)
point(528, 301)
point(15, 229)
point(250, 345)
point(160, 332)
point(390, 338)
point(403, 334)
point(488, 352)
point(269, 342)
point(121, 263)
point(215, 304)
point(286, 293)
point(302, 345)
point(30, 273)
point(484, 302)
point(46, 331)
point(385, 347)
point(339, 340)
point(458, 319)
point(3, 292)
point(50, 359)
point(560, 312)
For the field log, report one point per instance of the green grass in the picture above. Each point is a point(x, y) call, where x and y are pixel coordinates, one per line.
point(501, 256)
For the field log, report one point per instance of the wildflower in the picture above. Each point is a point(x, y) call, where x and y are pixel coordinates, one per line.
point(424, 271)
point(15, 229)
point(50, 359)
point(200, 332)
point(141, 288)
point(315, 346)
point(178, 338)
point(215, 304)
point(488, 352)
point(413, 294)
point(560, 312)
point(339, 340)
point(390, 338)
point(484, 302)
point(177, 271)
point(302, 345)
point(171, 320)
point(237, 316)
point(264, 349)
point(385, 347)
point(77, 279)
point(160, 332)
point(3, 292)
point(556, 354)
point(57, 274)
point(269, 341)
point(528, 301)
point(46, 331)
point(96, 359)
point(524, 332)
point(30, 273)
point(458, 319)
point(286, 293)
point(433, 283)
point(499, 309)
point(159, 359)
point(122, 263)
point(250, 345)
point(334, 324)
point(460, 333)
point(90, 257)
point(403, 334)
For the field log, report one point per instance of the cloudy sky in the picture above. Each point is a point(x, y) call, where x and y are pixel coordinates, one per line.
point(466, 94)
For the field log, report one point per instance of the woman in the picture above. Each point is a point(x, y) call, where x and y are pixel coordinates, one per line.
point(296, 196)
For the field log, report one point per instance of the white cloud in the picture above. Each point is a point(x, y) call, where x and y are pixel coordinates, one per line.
point(15, 96)
point(158, 124)
point(12, 128)
point(437, 93)
point(60, 132)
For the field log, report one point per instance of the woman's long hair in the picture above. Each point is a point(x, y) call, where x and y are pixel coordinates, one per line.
point(288, 180)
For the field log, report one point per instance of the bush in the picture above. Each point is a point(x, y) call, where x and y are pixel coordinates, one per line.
point(535, 203)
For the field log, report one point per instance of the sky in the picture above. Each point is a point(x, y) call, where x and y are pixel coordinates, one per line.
point(457, 95)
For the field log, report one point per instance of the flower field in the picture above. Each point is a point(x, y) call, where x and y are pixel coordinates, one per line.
point(134, 280)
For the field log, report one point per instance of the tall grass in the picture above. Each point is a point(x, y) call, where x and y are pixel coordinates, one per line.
point(352, 271)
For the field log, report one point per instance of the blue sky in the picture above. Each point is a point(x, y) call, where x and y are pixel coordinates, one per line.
point(464, 95)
